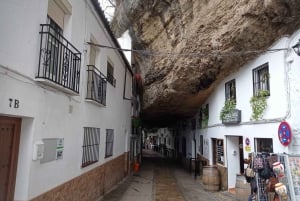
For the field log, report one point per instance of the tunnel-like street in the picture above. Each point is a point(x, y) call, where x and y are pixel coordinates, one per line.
point(160, 179)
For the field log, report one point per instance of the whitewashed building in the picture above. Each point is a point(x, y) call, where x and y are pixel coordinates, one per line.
point(65, 112)
point(226, 143)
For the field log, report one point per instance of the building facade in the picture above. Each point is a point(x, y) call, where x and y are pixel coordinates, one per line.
point(65, 112)
point(266, 105)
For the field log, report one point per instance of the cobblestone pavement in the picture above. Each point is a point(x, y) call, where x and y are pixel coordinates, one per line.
point(161, 180)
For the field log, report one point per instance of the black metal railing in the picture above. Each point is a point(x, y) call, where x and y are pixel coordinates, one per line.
point(59, 60)
point(96, 86)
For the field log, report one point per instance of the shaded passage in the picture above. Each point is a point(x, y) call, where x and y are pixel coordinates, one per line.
point(160, 179)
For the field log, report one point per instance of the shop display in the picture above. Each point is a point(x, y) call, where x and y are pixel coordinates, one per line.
point(277, 177)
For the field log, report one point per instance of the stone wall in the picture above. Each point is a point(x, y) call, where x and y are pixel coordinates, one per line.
point(223, 177)
point(90, 185)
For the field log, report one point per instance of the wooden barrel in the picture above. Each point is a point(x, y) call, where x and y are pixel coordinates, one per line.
point(211, 178)
point(242, 188)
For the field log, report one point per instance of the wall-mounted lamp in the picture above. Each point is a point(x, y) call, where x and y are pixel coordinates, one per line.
point(296, 48)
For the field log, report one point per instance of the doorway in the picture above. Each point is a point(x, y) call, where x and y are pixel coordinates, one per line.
point(9, 150)
point(234, 155)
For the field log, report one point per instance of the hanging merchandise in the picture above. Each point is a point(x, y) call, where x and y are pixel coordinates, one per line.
point(281, 190)
point(249, 172)
point(273, 180)
point(278, 169)
point(272, 159)
point(258, 163)
point(277, 176)
point(294, 170)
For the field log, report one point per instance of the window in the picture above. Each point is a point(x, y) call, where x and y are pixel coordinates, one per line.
point(54, 41)
point(218, 151)
point(204, 116)
point(96, 83)
point(110, 74)
point(90, 147)
point(230, 91)
point(109, 142)
point(261, 79)
point(56, 13)
point(93, 53)
point(201, 145)
point(59, 60)
point(264, 145)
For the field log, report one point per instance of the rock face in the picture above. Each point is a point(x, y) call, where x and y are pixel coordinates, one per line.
point(191, 45)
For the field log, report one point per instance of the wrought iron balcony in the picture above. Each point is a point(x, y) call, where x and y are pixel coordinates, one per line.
point(96, 86)
point(59, 60)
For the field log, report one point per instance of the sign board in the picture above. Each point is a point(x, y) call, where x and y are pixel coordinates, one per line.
point(232, 118)
point(284, 133)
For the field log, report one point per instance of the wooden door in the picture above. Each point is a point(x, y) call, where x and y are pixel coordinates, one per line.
point(9, 148)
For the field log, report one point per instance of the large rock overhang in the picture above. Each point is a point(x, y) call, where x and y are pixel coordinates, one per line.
point(191, 45)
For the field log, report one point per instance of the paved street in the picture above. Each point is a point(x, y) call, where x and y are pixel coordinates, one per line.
point(161, 180)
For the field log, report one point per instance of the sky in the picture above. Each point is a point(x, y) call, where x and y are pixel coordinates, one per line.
point(108, 9)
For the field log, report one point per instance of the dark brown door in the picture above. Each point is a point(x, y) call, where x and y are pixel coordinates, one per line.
point(9, 148)
point(241, 151)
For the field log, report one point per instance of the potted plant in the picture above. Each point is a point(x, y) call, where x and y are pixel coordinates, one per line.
point(228, 108)
point(259, 104)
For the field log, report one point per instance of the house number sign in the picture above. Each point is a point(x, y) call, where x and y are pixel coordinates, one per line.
point(13, 103)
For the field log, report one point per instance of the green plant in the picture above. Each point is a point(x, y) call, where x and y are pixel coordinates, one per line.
point(228, 108)
point(204, 122)
point(204, 116)
point(259, 104)
point(136, 122)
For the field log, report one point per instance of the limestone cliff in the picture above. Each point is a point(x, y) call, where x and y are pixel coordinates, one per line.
point(198, 34)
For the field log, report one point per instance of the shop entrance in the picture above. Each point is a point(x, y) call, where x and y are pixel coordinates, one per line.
point(9, 149)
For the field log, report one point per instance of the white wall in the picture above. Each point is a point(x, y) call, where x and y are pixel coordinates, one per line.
point(283, 105)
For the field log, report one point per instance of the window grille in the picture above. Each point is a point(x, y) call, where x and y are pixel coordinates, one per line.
point(261, 79)
point(110, 74)
point(90, 147)
point(109, 142)
point(230, 90)
point(96, 86)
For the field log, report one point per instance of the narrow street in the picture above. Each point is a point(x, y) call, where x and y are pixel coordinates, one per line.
point(161, 180)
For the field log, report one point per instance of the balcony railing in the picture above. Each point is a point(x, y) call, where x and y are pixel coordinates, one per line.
point(96, 86)
point(59, 60)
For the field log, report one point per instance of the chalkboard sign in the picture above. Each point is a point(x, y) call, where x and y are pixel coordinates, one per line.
point(232, 118)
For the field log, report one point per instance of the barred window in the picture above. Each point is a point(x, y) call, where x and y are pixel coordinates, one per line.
point(204, 116)
point(90, 147)
point(230, 90)
point(261, 79)
point(109, 142)
point(110, 74)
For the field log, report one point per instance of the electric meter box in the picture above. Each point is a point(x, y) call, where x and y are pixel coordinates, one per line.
point(54, 148)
